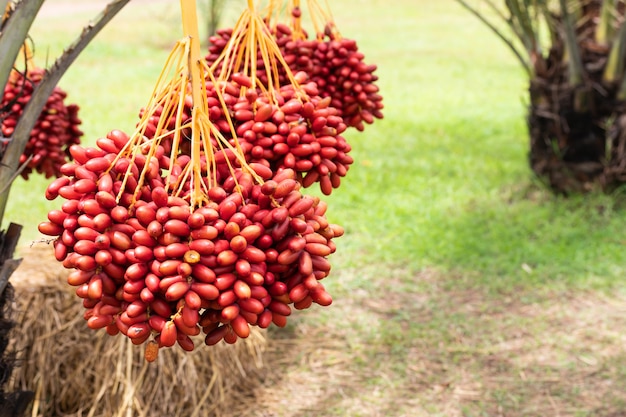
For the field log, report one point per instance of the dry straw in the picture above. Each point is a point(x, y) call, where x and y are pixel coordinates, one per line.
point(76, 371)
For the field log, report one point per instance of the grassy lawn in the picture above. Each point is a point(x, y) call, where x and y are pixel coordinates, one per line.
point(461, 287)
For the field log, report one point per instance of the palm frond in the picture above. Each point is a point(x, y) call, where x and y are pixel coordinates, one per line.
point(614, 69)
point(606, 28)
point(576, 69)
point(523, 61)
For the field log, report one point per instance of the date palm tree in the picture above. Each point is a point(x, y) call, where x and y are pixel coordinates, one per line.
point(574, 52)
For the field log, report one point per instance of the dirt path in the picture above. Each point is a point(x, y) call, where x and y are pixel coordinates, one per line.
point(451, 354)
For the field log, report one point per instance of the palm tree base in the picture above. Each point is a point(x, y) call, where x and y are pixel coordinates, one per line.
point(577, 136)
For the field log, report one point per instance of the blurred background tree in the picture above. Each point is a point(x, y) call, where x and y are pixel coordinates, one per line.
point(214, 15)
point(574, 52)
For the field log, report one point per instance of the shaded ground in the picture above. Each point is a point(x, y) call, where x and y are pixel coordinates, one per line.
point(447, 353)
point(433, 351)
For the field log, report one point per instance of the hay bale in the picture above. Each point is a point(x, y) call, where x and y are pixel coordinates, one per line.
point(77, 371)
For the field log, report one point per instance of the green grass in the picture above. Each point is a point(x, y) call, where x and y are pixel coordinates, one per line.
point(440, 186)
point(443, 180)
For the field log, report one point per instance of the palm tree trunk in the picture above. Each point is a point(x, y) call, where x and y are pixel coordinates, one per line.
point(576, 118)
